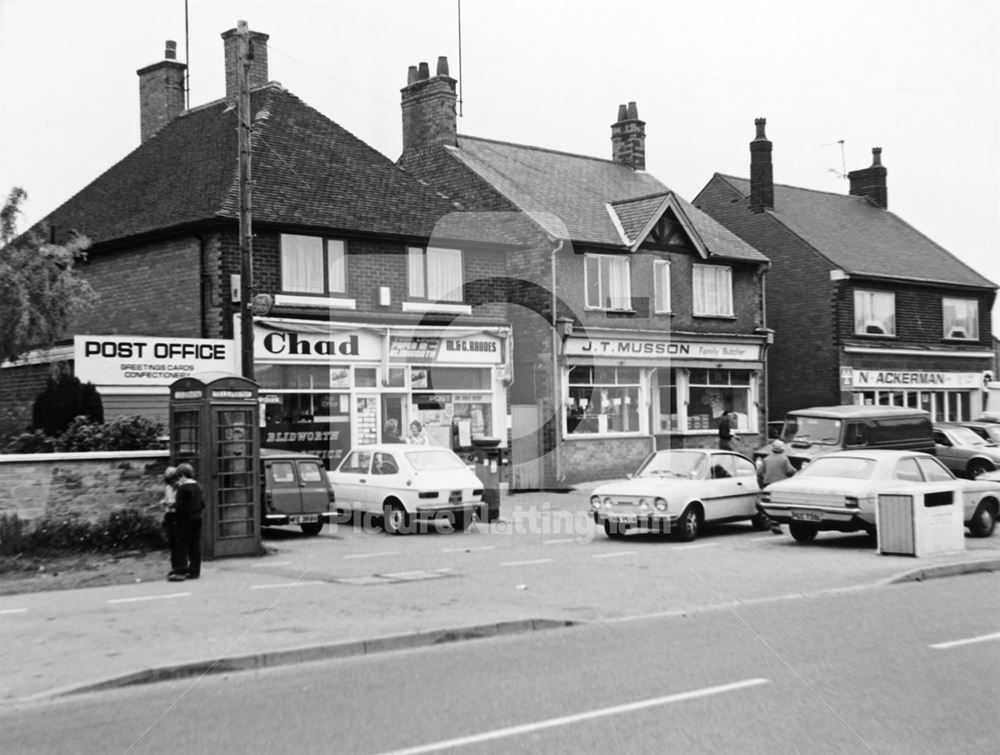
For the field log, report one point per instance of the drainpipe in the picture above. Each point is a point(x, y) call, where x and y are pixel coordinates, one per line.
point(556, 377)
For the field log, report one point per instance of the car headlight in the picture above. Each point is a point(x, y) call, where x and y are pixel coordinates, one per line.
point(661, 504)
point(595, 501)
point(851, 502)
point(643, 503)
point(607, 502)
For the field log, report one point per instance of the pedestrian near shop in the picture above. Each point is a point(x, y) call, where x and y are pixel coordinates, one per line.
point(185, 554)
point(726, 431)
point(169, 503)
point(390, 432)
point(417, 437)
point(774, 468)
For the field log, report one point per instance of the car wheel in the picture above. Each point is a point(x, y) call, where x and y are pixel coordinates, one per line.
point(312, 528)
point(803, 533)
point(984, 520)
point(687, 525)
point(760, 521)
point(614, 530)
point(977, 467)
point(394, 519)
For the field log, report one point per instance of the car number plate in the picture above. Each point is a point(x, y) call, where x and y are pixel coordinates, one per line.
point(807, 516)
point(304, 519)
point(625, 518)
point(455, 496)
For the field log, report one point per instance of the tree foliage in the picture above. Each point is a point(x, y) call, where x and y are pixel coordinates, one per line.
point(41, 289)
point(63, 400)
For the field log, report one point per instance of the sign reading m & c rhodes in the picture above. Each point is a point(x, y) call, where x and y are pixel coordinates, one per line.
point(149, 360)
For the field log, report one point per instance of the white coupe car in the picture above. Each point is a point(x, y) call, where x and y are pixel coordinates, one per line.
point(403, 485)
point(839, 492)
point(677, 491)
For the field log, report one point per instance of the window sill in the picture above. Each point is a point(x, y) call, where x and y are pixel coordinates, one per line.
point(431, 306)
point(715, 317)
point(325, 302)
point(608, 311)
point(876, 336)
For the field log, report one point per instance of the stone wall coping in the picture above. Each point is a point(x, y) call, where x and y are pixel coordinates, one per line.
point(83, 456)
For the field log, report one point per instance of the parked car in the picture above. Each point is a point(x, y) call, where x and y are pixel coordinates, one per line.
point(678, 491)
point(808, 433)
point(839, 491)
point(963, 451)
point(403, 484)
point(984, 429)
point(294, 490)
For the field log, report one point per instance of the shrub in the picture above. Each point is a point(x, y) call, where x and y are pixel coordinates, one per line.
point(63, 399)
point(127, 529)
point(36, 442)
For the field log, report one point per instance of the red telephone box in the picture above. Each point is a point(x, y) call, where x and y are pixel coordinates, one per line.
point(214, 428)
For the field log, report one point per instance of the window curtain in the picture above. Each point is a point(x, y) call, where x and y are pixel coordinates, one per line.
point(302, 264)
point(336, 265)
point(444, 274)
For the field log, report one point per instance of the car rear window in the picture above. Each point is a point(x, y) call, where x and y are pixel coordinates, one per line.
point(853, 467)
point(441, 458)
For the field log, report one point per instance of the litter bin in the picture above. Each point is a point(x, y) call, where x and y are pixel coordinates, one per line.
point(920, 521)
point(489, 458)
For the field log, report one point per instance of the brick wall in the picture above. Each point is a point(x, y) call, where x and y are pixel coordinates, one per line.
point(602, 459)
point(84, 486)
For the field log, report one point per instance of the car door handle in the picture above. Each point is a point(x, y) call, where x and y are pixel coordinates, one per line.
point(362, 480)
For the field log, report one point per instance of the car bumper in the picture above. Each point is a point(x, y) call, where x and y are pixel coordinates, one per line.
point(824, 517)
point(277, 520)
point(656, 521)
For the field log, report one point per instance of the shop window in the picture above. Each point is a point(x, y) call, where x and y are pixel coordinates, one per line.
point(713, 291)
point(661, 287)
point(961, 318)
point(712, 391)
point(666, 394)
point(435, 273)
point(607, 282)
point(602, 400)
point(874, 313)
point(313, 265)
point(304, 377)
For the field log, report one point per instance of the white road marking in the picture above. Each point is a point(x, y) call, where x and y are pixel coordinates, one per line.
point(692, 547)
point(272, 563)
point(614, 555)
point(773, 537)
point(556, 542)
point(13, 610)
point(526, 563)
point(372, 555)
point(286, 584)
point(151, 597)
point(969, 641)
point(512, 731)
point(474, 548)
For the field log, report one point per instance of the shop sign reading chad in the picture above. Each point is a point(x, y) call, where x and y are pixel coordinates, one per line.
point(148, 360)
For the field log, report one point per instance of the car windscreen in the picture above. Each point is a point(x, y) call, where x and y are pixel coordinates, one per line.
point(673, 464)
point(433, 460)
point(965, 437)
point(803, 428)
point(851, 467)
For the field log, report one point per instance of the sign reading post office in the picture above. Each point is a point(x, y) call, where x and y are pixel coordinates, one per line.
point(147, 360)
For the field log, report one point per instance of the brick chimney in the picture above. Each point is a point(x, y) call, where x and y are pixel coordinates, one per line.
point(258, 76)
point(161, 92)
point(870, 182)
point(628, 138)
point(429, 107)
point(761, 171)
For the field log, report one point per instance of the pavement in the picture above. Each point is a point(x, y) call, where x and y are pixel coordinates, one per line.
point(541, 566)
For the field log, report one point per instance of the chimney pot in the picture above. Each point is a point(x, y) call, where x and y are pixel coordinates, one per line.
point(442, 67)
point(411, 75)
point(760, 123)
point(622, 113)
point(424, 71)
point(876, 157)
point(170, 53)
point(633, 111)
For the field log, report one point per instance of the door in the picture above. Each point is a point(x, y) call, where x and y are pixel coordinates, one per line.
point(384, 480)
point(351, 481)
point(946, 452)
point(393, 415)
point(234, 517)
point(725, 491)
point(315, 495)
point(526, 447)
point(283, 485)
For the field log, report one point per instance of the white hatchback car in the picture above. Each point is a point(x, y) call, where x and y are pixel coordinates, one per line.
point(405, 484)
point(678, 491)
point(839, 492)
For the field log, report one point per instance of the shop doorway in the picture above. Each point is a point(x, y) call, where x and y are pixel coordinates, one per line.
point(394, 411)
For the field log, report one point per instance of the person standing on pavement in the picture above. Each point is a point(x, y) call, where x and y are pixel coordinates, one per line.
point(417, 437)
point(774, 468)
point(185, 556)
point(726, 431)
point(169, 503)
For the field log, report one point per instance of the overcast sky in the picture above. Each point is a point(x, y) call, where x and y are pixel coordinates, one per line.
point(920, 79)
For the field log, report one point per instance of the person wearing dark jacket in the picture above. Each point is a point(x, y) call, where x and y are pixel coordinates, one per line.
point(774, 468)
point(185, 555)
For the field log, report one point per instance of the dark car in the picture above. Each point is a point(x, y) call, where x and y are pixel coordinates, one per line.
point(295, 490)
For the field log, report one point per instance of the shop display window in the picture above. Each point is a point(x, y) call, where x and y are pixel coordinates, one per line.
point(712, 391)
point(602, 400)
point(666, 392)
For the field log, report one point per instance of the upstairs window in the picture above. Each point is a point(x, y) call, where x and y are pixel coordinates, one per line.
point(435, 273)
point(961, 318)
point(313, 265)
point(874, 313)
point(713, 291)
point(607, 280)
point(661, 287)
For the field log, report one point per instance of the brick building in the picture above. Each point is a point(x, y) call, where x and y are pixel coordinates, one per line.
point(865, 309)
point(373, 301)
point(637, 318)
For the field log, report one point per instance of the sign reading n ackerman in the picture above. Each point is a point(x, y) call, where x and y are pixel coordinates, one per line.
point(148, 360)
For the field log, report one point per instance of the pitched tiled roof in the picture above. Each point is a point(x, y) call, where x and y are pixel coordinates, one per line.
point(863, 239)
point(307, 171)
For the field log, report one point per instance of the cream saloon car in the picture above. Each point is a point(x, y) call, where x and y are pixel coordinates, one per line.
point(678, 491)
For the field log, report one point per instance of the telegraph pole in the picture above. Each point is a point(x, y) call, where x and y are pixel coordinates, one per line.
point(245, 54)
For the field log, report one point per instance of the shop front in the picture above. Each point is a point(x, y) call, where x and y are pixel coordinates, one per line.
point(625, 396)
point(326, 387)
point(949, 395)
